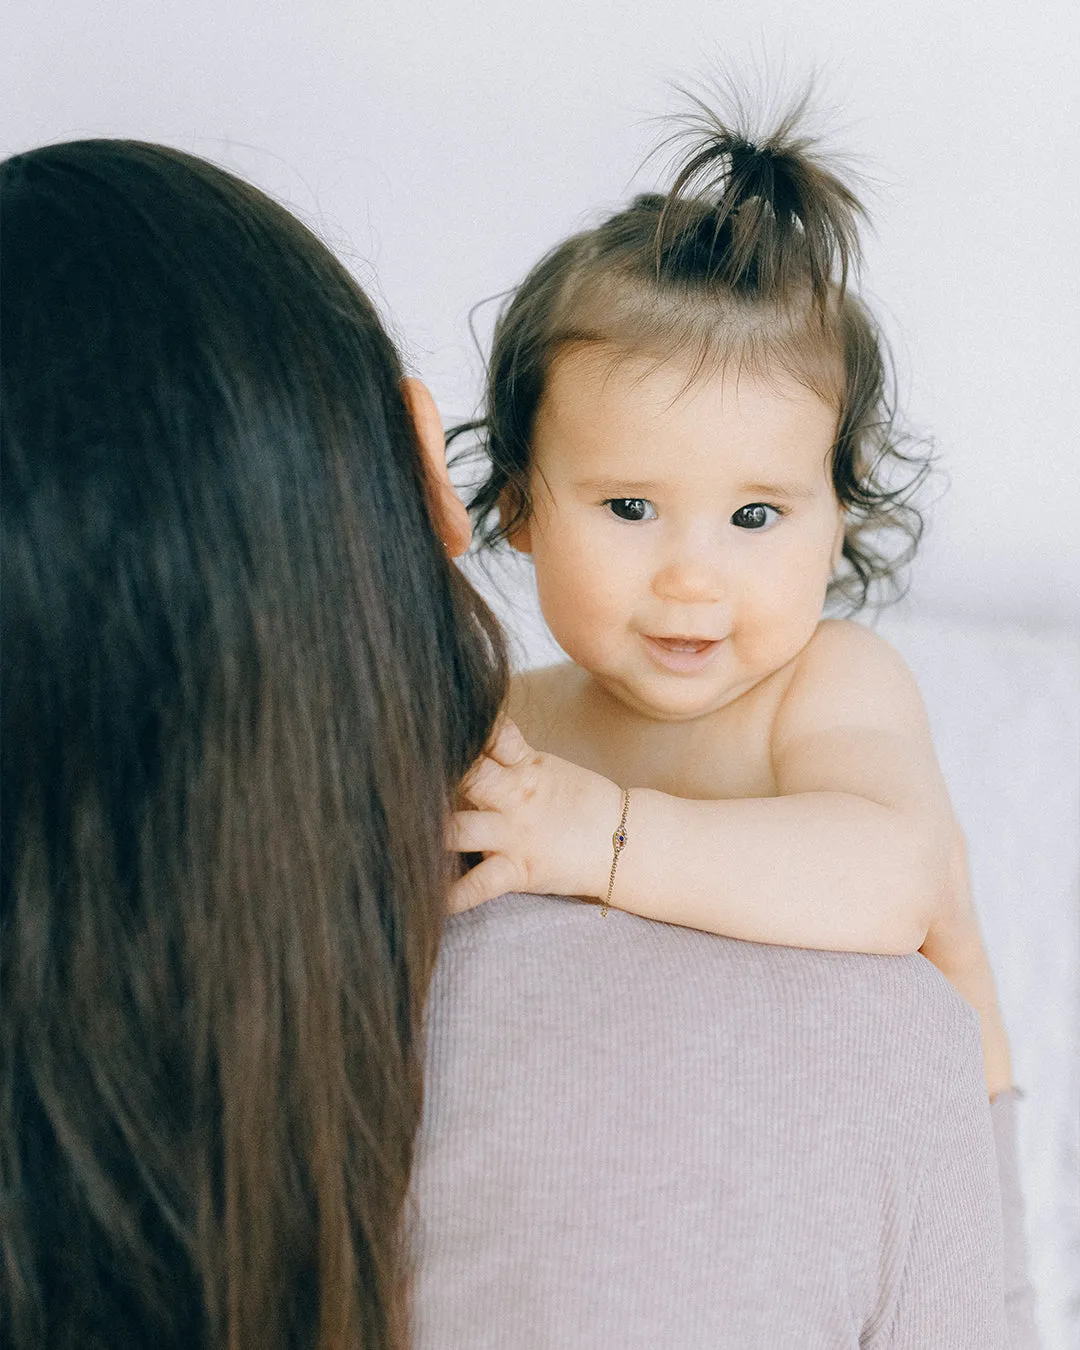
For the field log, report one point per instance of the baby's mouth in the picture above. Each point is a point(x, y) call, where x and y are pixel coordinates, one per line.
point(683, 644)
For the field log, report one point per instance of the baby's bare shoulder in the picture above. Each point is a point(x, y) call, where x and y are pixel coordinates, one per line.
point(848, 673)
point(852, 720)
point(852, 713)
point(850, 641)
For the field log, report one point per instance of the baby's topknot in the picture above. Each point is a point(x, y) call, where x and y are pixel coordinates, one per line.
point(765, 216)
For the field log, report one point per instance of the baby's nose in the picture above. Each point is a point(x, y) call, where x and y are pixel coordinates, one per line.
point(690, 579)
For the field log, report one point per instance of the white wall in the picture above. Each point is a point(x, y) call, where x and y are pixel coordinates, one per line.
point(443, 147)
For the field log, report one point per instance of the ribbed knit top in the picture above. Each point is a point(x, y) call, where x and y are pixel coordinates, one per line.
point(636, 1135)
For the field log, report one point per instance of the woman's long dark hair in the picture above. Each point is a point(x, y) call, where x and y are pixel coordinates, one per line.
point(240, 681)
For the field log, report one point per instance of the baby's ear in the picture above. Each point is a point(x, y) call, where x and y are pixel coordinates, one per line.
point(510, 505)
point(838, 543)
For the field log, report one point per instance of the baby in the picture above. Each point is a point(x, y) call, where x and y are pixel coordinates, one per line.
point(689, 430)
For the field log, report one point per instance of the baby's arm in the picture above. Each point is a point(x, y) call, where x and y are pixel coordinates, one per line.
point(880, 699)
point(850, 855)
point(859, 851)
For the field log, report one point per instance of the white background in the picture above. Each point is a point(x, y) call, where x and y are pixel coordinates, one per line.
point(441, 148)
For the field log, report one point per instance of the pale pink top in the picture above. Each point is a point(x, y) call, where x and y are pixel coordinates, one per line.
point(639, 1137)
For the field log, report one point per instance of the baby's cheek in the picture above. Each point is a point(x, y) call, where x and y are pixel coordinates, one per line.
point(579, 603)
point(776, 624)
point(573, 611)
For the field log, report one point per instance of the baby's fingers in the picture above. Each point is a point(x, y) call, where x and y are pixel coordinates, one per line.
point(494, 876)
point(509, 746)
point(476, 832)
point(493, 781)
point(488, 786)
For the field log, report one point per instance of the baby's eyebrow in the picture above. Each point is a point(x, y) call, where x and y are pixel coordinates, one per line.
point(617, 487)
point(622, 487)
point(791, 491)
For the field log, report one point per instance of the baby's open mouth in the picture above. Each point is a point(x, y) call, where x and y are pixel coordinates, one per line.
point(683, 644)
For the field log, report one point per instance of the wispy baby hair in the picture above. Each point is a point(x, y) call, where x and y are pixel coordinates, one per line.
point(747, 261)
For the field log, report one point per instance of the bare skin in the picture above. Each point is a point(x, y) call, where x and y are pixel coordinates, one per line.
point(784, 786)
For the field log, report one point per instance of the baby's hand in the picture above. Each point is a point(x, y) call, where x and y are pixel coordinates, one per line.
point(954, 944)
point(543, 824)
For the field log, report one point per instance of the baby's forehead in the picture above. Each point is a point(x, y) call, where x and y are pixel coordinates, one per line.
point(601, 403)
point(669, 373)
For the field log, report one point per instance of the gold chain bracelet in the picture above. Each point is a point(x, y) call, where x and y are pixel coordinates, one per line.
point(618, 843)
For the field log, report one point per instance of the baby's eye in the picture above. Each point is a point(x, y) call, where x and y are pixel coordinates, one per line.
point(756, 516)
point(631, 508)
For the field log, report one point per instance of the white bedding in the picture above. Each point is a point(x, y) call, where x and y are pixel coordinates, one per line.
point(1004, 704)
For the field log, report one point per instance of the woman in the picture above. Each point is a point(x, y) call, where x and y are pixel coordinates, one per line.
point(240, 680)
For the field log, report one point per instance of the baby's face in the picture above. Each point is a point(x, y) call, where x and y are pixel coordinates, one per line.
point(683, 531)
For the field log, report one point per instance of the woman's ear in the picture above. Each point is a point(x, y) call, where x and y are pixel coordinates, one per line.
point(449, 516)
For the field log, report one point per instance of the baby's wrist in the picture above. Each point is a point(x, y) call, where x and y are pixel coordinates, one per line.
point(599, 817)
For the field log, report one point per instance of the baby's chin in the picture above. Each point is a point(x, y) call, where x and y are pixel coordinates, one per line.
point(654, 702)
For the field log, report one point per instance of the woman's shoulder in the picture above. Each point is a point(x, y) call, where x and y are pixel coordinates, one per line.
point(858, 1019)
point(694, 1101)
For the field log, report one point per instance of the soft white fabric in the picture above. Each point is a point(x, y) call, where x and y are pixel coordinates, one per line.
point(1004, 704)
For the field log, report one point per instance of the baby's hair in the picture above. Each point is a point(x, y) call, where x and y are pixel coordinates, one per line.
point(746, 261)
